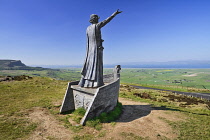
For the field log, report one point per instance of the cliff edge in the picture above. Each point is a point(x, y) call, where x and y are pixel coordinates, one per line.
point(11, 63)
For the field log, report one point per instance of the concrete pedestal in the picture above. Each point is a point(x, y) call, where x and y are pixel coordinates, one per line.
point(93, 100)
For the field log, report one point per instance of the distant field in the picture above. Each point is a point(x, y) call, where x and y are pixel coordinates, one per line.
point(191, 80)
point(176, 78)
point(69, 75)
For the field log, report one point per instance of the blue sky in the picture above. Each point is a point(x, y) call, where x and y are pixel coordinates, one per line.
point(53, 32)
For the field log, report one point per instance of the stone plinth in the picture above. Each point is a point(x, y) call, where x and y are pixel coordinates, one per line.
point(93, 100)
point(83, 96)
point(104, 100)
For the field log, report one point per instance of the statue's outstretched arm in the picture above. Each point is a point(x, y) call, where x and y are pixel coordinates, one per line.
point(103, 23)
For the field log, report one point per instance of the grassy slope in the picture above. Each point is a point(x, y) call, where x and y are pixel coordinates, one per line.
point(197, 112)
point(18, 96)
point(69, 75)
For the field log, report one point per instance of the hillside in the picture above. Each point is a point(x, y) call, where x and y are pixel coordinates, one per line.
point(11, 63)
point(16, 65)
point(30, 110)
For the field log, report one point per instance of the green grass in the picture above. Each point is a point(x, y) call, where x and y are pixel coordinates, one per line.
point(157, 78)
point(160, 98)
point(165, 79)
point(19, 96)
point(30, 93)
point(112, 115)
point(175, 88)
point(105, 117)
point(84, 137)
point(78, 114)
point(132, 136)
point(62, 74)
point(197, 111)
point(13, 128)
point(196, 127)
point(67, 124)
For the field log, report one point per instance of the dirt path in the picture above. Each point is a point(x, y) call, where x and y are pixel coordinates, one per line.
point(48, 127)
point(137, 120)
point(140, 119)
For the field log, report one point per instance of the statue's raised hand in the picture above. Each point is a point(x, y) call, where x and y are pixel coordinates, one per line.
point(117, 12)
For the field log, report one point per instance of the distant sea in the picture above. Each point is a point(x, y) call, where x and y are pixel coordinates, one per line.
point(191, 64)
point(132, 66)
point(166, 66)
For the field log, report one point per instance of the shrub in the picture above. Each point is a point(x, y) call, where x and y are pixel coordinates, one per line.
point(105, 117)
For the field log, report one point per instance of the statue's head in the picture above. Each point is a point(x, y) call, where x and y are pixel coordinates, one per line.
point(94, 18)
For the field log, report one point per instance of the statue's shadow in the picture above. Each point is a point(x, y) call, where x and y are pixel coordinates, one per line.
point(133, 112)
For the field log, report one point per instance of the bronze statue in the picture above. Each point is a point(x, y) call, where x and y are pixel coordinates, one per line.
point(92, 71)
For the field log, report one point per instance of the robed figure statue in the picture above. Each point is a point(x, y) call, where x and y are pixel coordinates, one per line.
point(92, 71)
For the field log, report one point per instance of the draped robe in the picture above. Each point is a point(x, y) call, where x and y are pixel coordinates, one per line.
point(92, 71)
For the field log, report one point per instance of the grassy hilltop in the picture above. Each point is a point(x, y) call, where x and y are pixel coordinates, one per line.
point(18, 97)
point(28, 107)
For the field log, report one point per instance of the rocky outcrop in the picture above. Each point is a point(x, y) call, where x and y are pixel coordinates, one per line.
point(16, 63)
point(11, 63)
point(16, 78)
